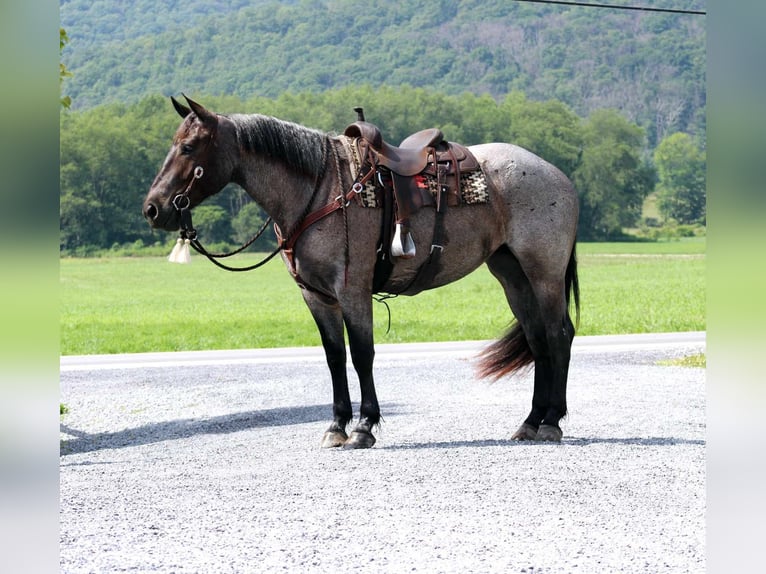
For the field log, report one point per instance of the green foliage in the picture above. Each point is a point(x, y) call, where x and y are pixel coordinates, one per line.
point(681, 182)
point(105, 164)
point(213, 223)
point(652, 66)
point(549, 129)
point(482, 71)
point(612, 178)
point(247, 223)
point(65, 101)
point(117, 305)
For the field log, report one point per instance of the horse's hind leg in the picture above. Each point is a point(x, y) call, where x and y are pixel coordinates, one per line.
point(543, 334)
point(559, 333)
point(329, 320)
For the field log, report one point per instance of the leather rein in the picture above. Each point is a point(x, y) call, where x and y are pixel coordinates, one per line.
point(182, 203)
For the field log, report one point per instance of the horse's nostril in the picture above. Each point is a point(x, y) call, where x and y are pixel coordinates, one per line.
point(151, 212)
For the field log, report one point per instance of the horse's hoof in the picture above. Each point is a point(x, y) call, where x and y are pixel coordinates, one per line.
point(525, 432)
point(359, 439)
point(334, 439)
point(549, 433)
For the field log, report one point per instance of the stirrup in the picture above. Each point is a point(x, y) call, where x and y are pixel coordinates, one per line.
point(404, 249)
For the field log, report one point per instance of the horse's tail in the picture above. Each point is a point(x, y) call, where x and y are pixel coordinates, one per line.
point(572, 285)
point(512, 353)
point(506, 355)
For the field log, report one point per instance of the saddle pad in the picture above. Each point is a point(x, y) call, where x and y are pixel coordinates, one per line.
point(473, 188)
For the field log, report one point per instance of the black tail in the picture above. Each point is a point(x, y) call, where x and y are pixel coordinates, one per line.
point(511, 353)
point(572, 285)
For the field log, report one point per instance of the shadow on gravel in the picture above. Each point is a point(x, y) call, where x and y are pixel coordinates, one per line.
point(568, 441)
point(185, 428)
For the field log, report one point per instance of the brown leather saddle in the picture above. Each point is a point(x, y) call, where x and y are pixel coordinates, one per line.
point(416, 153)
point(424, 170)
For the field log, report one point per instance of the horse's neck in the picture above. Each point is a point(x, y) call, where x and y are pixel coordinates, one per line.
point(279, 164)
point(281, 192)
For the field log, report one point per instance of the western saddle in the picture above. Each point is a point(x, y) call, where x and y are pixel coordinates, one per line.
point(421, 171)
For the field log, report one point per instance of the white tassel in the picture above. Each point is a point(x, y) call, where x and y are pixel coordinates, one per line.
point(180, 253)
point(173, 257)
point(185, 255)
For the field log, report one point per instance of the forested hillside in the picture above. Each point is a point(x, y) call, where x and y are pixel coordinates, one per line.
point(614, 98)
point(649, 66)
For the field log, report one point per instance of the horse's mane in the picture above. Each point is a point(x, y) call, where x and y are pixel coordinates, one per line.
point(300, 147)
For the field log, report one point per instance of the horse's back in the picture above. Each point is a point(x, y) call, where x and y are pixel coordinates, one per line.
point(521, 173)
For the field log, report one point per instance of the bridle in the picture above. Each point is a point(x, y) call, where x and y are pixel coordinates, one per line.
point(182, 204)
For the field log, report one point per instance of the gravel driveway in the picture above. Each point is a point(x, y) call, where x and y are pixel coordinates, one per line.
point(209, 462)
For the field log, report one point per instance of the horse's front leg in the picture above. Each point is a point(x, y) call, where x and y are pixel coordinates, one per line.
point(329, 320)
point(357, 314)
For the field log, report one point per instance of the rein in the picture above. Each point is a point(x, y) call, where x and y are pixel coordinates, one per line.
point(182, 204)
point(188, 235)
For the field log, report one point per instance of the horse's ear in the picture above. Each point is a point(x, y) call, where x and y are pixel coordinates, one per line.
point(201, 112)
point(182, 110)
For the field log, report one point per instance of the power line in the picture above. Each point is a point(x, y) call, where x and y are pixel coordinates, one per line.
point(641, 8)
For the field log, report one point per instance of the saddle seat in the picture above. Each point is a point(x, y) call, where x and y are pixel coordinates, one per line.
point(410, 158)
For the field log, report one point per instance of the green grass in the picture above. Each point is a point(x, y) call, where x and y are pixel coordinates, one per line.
point(123, 305)
point(699, 361)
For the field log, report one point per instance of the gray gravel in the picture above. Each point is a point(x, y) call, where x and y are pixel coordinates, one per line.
point(209, 462)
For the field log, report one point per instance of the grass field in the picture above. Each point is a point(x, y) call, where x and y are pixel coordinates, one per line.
point(124, 305)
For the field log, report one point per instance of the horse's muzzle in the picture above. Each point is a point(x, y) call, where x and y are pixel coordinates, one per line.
point(151, 212)
point(159, 218)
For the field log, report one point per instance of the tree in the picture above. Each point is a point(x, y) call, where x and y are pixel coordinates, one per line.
point(681, 179)
point(612, 179)
point(212, 223)
point(247, 223)
point(66, 101)
point(549, 129)
point(104, 175)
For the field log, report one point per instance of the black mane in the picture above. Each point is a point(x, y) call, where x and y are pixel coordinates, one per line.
point(300, 147)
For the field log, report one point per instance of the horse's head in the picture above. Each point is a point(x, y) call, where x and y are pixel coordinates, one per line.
point(194, 168)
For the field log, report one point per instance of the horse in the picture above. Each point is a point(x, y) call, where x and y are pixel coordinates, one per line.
point(525, 232)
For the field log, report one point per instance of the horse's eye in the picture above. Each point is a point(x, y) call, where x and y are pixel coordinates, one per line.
point(186, 149)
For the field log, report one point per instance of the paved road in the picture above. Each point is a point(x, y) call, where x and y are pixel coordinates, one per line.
point(209, 462)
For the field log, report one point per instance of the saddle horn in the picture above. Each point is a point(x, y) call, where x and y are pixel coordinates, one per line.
point(359, 114)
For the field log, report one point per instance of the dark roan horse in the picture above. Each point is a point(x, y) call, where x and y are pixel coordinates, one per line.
point(524, 232)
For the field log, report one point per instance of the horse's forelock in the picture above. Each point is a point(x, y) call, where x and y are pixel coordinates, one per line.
point(187, 125)
point(298, 146)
